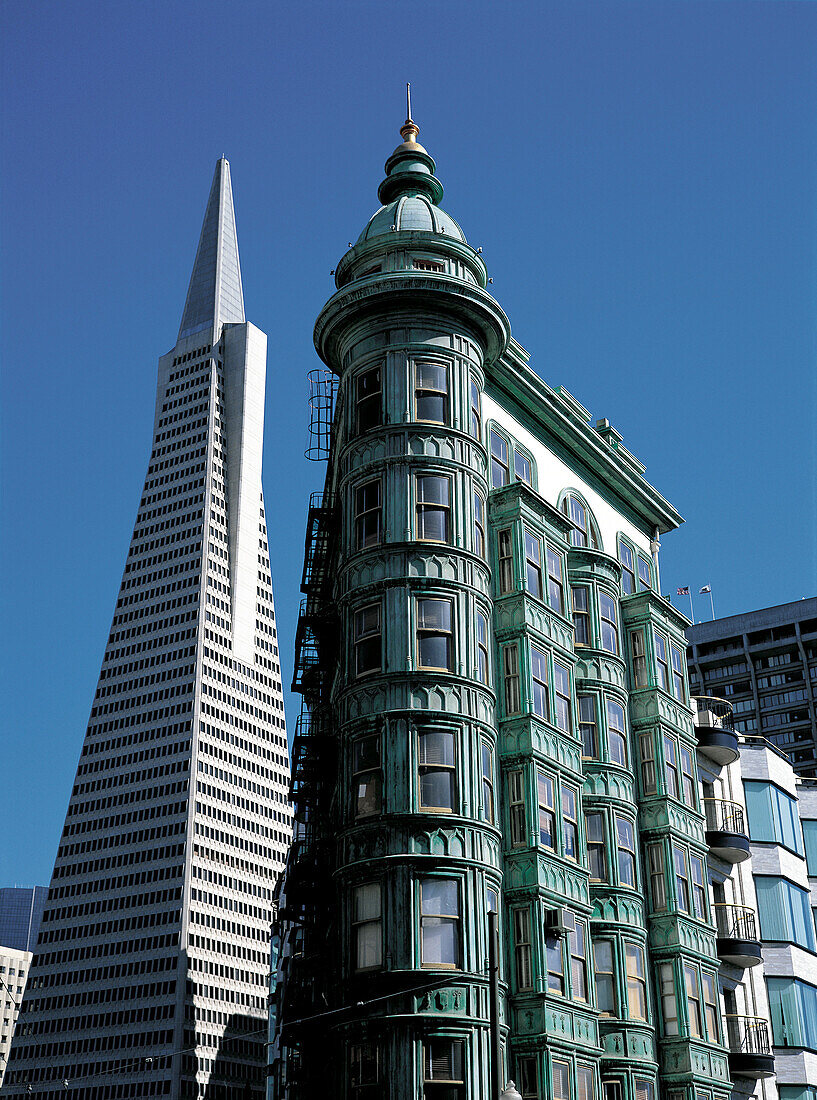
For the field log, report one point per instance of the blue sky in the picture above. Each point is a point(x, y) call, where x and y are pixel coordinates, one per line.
point(641, 176)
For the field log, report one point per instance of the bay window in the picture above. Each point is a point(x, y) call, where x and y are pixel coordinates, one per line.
point(435, 639)
point(439, 922)
point(367, 924)
point(436, 756)
point(431, 392)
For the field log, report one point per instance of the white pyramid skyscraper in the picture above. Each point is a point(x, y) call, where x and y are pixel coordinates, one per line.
point(150, 974)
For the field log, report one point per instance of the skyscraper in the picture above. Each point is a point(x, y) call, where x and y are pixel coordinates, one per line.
point(21, 910)
point(150, 974)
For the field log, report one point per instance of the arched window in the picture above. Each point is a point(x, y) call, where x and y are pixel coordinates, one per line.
point(585, 530)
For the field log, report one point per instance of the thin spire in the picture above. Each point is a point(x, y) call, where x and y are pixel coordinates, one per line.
point(215, 296)
point(408, 103)
point(409, 130)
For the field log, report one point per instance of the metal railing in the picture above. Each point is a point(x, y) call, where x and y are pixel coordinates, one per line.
point(748, 1035)
point(724, 816)
point(713, 712)
point(735, 922)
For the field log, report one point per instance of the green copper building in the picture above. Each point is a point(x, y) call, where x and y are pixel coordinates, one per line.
point(497, 727)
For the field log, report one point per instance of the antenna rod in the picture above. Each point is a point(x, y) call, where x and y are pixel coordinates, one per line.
point(408, 102)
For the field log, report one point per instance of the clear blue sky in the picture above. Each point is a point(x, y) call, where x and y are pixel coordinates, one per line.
point(642, 178)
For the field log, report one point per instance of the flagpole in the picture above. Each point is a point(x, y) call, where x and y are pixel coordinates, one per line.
point(691, 612)
point(711, 603)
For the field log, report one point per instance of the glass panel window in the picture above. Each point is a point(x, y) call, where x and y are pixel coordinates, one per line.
point(639, 652)
point(582, 533)
point(487, 782)
point(711, 1013)
point(368, 926)
point(658, 881)
point(616, 734)
point(439, 922)
point(644, 1089)
point(677, 660)
point(368, 400)
point(431, 392)
point(625, 556)
point(527, 1078)
point(435, 647)
point(644, 572)
point(522, 949)
point(670, 766)
point(584, 1083)
point(605, 977)
point(648, 775)
point(444, 1070)
point(570, 822)
point(693, 993)
point(662, 668)
point(587, 726)
point(368, 640)
point(510, 675)
point(437, 769)
point(500, 466)
point(433, 508)
point(609, 623)
point(479, 526)
point(625, 836)
point(547, 811)
point(516, 808)
point(539, 673)
point(368, 515)
point(555, 964)
point(696, 869)
point(687, 776)
point(612, 1089)
point(561, 696)
point(578, 960)
point(636, 981)
point(581, 615)
point(596, 852)
point(561, 1080)
point(364, 1070)
point(669, 1004)
point(522, 467)
point(533, 564)
point(482, 647)
point(556, 588)
point(476, 411)
point(681, 878)
point(367, 777)
point(505, 556)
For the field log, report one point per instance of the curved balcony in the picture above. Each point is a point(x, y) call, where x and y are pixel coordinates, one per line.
point(738, 939)
point(715, 729)
point(726, 832)
point(750, 1050)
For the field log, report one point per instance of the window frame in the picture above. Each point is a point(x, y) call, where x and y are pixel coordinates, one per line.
point(487, 789)
point(511, 679)
point(358, 774)
point(361, 923)
point(533, 563)
point(424, 633)
point(424, 391)
point(590, 538)
point(635, 982)
point(505, 561)
point(581, 614)
point(454, 919)
point(496, 458)
point(586, 724)
point(609, 626)
point(427, 767)
point(361, 638)
point(554, 565)
point(546, 810)
point(625, 850)
point(475, 409)
point(432, 507)
point(628, 588)
point(362, 426)
point(362, 513)
point(479, 525)
point(481, 639)
point(522, 947)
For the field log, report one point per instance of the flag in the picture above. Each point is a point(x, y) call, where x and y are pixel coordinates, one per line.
point(706, 588)
point(684, 591)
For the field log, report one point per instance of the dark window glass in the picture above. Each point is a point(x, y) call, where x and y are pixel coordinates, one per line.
point(431, 392)
point(433, 508)
point(556, 597)
point(368, 645)
point(533, 564)
point(368, 400)
point(434, 634)
point(539, 672)
point(368, 515)
point(437, 765)
point(367, 779)
point(500, 469)
point(625, 556)
point(644, 572)
point(522, 468)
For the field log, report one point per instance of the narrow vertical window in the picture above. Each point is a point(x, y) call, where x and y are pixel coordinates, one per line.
point(636, 981)
point(581, 615)
point(444, 1071)
point(522, 467)
point(670, 766)
point(547, 811)
point(616, 734)
point(433, 508)
point(578, 514)
point(505, 556)
point(687, 776)
point(605, 977)
point(696, 868)
point(528, 1078)
point(435, 649)
point(510, 676)
point(516, 808)
point(644, 1089)
point(639, 651)
point(584, 1083)
point(596, 852)
point(436, 757)
point(555, 965)
point(439, 922)
point(570, 822)
point(487, 782)
point(625, 556)
point(578, 960)
point(479, 525)
point(522, 949)
point(609, 623)
point(649, 781)
point(367, 777)
point(662, 667)
point(368, 926)
point(658, 880)
point(711, 1013)
point(476, 411)
point(669, 1004)
point(368, 640)
point(500, 468)
point(364, 1070)
point(612, 1089)
point(561, 1080)
point(368, 515)
point(556, 585)
point(587, 726)
point(693, 993)
point(625, 838)
point(482, 647)
point(431, 392)
point(644, 572)
point(540, 700)
point(561, 697)
point(533, 564)
point(368, 400)
point(677, 660)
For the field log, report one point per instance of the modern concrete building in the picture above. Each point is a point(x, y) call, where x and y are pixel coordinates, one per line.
point(497, 730)
point(765, 663)
point(21, 910)
point(14, 965)
point(150, 974)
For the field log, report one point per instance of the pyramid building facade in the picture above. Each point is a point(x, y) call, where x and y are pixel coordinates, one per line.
point(150, 973)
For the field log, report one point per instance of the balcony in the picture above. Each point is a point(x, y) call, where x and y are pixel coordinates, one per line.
point(715, 729)
point(726, 830)
point(750, 1050)
point(738, 939)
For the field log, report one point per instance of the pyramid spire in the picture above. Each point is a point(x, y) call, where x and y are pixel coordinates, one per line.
point(215, 296)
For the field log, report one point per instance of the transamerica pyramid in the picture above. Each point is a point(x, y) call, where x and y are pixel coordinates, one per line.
point(150, 973)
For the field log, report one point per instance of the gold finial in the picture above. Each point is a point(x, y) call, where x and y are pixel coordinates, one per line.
point(409, 130)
